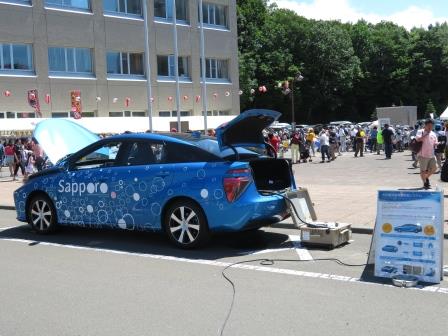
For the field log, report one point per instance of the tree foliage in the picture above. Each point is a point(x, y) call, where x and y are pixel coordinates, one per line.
point(348, 69)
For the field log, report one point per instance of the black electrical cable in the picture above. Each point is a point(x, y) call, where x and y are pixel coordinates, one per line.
point(269, 262)
point(312, 225)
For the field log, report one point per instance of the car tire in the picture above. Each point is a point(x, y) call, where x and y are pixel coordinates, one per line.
point(185, 224)
point(41, 214)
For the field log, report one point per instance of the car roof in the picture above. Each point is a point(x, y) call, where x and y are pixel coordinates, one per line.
point(183, 138)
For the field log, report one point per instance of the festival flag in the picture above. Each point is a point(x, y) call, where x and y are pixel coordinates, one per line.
point(76, 104)
point(33, 100)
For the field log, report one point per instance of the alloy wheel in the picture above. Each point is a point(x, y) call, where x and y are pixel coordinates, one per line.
point(184, 225)
point(41, 215)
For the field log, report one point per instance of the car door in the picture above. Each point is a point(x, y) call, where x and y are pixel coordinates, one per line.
point(147, 188)
point(86, 194)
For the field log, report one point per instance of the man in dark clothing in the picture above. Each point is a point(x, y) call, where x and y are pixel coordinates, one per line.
point(387, 138)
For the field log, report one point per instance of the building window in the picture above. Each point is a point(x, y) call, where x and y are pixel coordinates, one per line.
point(166, 68)
point(128, 114)
point(215, 15)
point(216, 69)
point(123, 6)
point(79, 4)
point(15, 57)
point(163, 9)
point(174, 113)
point(123, 63)
point(70, 114)
point(70, 60)
point(19, 115)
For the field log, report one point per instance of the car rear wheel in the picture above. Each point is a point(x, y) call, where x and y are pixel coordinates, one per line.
point(186, 225)
point(41, 214)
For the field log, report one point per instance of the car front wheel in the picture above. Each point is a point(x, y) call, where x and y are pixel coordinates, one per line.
point(185, 224)
point(41, 214)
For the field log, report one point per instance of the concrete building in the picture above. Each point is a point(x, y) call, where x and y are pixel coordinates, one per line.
point(97, 47)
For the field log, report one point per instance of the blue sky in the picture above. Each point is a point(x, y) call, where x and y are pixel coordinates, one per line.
point(408, 13)
point(387, 7)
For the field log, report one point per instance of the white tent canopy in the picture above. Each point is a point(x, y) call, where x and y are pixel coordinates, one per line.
point(444, 115)
point(117, 125)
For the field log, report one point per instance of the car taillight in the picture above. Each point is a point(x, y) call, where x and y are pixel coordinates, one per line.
point(234, 186)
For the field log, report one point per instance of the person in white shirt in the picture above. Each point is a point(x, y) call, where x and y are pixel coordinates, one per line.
point(324, 145)
point(342, 139)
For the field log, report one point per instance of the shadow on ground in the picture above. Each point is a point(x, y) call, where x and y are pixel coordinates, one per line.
point(220, 246)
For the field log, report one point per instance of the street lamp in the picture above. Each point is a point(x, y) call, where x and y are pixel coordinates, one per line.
point(298, 77)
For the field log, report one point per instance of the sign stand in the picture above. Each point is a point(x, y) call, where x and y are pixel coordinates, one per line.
point(408, 235)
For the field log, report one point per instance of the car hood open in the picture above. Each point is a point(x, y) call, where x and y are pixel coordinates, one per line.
point(60, 137)
point(246, 129)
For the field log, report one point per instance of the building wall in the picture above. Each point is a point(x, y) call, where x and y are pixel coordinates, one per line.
point(43, 27)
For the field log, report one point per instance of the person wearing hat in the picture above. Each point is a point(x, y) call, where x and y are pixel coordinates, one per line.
point(426, 156)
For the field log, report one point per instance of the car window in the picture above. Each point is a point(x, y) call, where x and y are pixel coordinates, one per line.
point(104, 156)
point(146, 152)
point(179, 153)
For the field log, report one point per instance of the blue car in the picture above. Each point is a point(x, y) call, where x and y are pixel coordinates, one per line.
point(186, 185)
point(415, 228)
point(390, 248)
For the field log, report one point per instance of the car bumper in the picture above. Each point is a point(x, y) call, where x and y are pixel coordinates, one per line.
point(248, 213)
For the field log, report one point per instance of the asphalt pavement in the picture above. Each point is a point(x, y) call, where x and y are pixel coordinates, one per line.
point(105, 282)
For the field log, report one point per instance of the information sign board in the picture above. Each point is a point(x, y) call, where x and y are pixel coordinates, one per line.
point(409, 234)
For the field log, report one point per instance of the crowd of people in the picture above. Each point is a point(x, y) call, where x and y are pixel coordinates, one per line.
point(427, 142)
point(24, 155)
point(334, 141)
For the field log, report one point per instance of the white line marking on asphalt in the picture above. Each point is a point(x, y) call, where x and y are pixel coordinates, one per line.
point(272, 250)
point(303, 274)
point(303, 253)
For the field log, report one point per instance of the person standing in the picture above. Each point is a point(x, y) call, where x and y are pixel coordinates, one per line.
point(38, 155)
point(359, 140)
point(379, 142)
point(310, 137)
point(412, 135)
point(440, 148)
point(324, 145)
point(19, 158)
point(342, 139)
point(274, 141)
point(333, 141)
point(295, 146)
point(387, 138)
point(373, 139)
point(9, 157)
point(2, 154)
point(426, 157)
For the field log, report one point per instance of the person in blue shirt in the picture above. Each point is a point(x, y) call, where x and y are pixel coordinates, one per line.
point(373, 142)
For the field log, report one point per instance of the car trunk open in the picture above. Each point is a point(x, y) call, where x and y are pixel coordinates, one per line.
point(271, 174)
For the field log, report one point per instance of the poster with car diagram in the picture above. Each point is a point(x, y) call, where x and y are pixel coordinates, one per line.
point(409, 234)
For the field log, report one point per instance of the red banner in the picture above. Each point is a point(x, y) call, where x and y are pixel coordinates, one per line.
point(33, 100)
point(75, 98)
